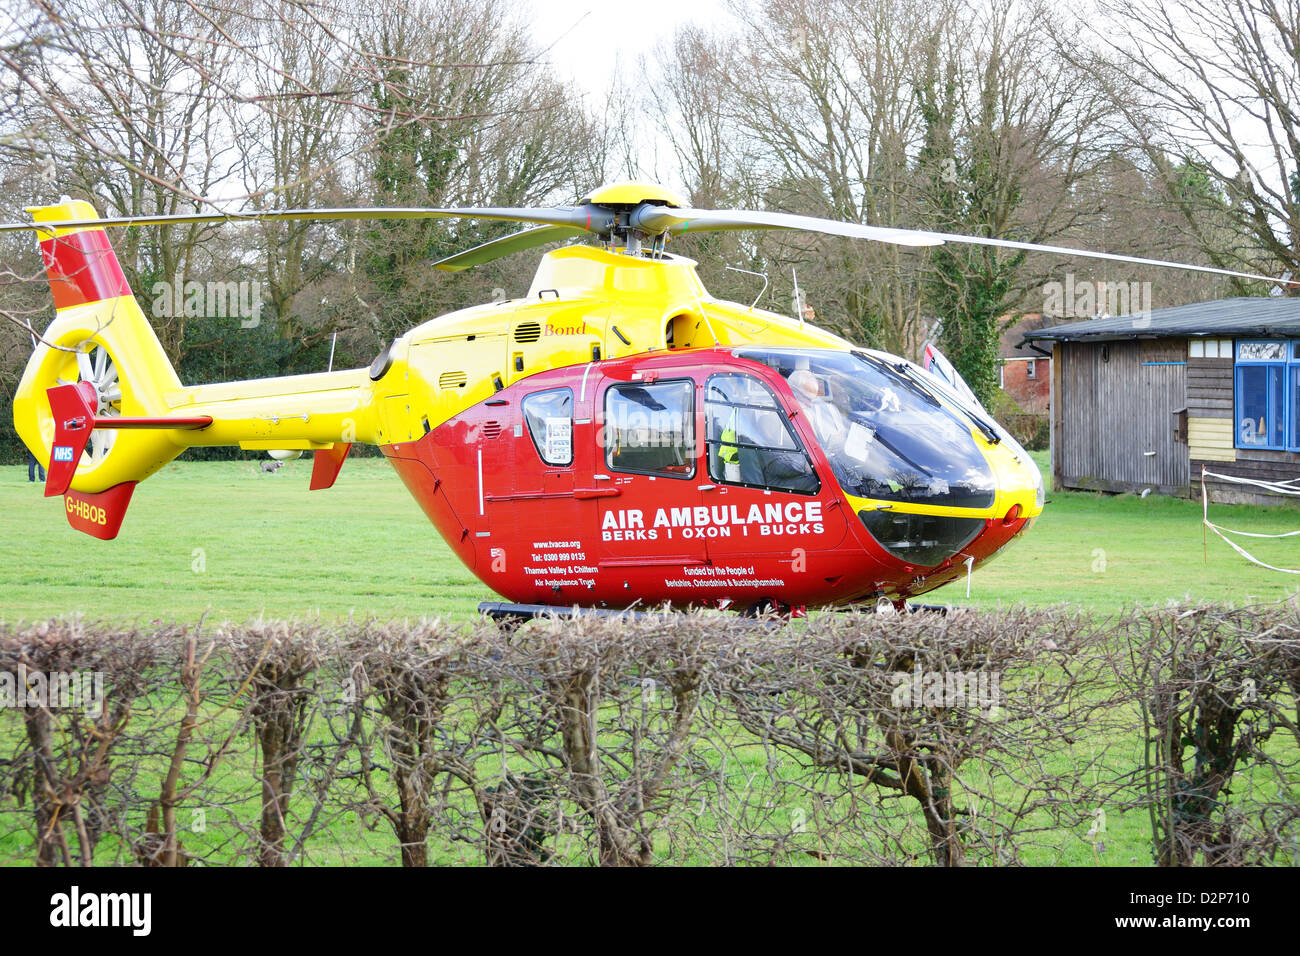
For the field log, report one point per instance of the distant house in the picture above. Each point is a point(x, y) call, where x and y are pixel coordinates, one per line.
point(1025, 375)
point(1146, 401)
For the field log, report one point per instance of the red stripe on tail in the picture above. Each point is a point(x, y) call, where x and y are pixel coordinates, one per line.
point(82, 268)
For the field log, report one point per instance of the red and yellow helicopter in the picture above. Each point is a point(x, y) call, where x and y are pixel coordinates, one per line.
point(616, 436)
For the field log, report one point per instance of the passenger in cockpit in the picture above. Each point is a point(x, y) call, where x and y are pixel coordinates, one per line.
point(827, 420)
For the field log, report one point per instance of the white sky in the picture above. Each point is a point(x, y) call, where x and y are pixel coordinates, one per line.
point(591, 42)
point(591, 38)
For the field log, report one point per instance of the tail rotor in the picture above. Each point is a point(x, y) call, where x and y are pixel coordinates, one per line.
point(96, 367)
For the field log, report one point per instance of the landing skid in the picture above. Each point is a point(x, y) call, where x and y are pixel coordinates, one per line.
point(518, 613)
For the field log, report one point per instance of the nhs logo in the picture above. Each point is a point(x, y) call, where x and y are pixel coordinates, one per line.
point(63, 453)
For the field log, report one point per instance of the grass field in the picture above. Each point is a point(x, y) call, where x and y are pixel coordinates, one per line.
point(223, 539)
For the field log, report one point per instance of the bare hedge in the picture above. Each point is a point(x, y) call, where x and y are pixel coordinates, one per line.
point(998, 737)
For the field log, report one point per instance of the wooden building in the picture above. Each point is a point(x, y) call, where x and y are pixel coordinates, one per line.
point(1145, 401)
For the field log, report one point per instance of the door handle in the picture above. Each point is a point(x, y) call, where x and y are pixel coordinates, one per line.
point(596, 492)
point(705, 487)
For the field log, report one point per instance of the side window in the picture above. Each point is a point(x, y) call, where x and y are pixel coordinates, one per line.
point(749, 438)
point(550, 421)
point(1294, 371)
point(650, 428)
point(1261, 410)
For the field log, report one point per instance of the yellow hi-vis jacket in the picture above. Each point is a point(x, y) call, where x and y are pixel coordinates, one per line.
point(728, 451)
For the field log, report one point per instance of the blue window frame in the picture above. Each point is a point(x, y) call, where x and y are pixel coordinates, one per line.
point(1293, 400)
point(1266, 401)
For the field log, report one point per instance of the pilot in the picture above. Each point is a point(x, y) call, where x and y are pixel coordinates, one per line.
point(752, 450)
point(827, 420)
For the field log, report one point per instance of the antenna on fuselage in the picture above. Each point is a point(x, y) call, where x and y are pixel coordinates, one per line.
point(798, 297)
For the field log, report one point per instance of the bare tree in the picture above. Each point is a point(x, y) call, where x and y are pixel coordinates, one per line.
point(1211, 88)
point(1217, 688)
point(824, 96)
point(122, 101)
point(989, 738)
point(1010, 140)
point(175, 104)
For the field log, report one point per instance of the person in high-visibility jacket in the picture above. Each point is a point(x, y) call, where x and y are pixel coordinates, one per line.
point(729, 451)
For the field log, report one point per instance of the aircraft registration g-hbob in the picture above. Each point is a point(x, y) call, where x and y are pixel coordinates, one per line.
point(616, 436)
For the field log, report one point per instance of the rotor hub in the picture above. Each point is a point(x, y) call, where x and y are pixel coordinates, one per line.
point(632, 193)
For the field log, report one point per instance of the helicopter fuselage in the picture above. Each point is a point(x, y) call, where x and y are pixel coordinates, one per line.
point(605, 524)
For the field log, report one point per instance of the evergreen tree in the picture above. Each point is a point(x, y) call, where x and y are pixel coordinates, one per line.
point(969, 287)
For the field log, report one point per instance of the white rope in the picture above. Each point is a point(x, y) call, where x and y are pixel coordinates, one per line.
point(1242, 551)
point(1224, 532)
point(1244, 480)
point(1256, 534)
point(1277, 487)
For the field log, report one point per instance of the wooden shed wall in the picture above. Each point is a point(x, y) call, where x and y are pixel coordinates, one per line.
point(1209, 415)
point(1116, 425)
point(1107, 414)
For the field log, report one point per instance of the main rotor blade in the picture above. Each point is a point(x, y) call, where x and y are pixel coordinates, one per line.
point(1109, 256)
point(655, 219)
point(585, 218)
point(680, 221)
point(648, 218)
point(505, 245)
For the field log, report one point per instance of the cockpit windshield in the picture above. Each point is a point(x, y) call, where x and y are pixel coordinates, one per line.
point(885, 433)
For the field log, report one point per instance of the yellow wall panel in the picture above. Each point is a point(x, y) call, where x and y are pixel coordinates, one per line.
point(1211, 439)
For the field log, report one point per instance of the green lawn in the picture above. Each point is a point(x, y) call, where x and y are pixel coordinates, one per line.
point(1110, 551)
point(224, 539)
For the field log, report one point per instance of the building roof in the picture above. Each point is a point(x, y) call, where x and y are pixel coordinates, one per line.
point(1010, 338)
point(1256, 317)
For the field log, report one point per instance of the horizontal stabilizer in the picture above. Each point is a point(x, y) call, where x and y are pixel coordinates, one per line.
point(73, 409)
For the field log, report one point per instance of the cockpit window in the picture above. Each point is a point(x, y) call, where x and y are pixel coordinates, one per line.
point(886, 435)
point(749, 439)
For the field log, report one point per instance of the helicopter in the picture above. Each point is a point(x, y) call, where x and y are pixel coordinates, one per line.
point(616, 437)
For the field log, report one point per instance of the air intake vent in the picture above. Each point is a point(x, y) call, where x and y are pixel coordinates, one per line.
point(452, 380)
point(491, 429)
point(528, 332)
